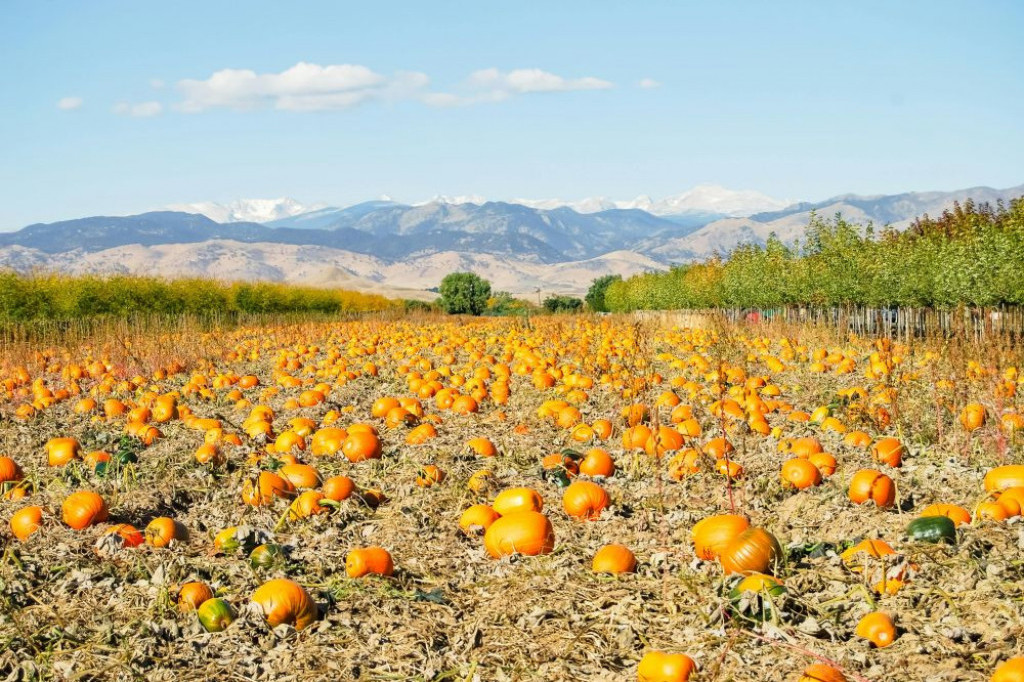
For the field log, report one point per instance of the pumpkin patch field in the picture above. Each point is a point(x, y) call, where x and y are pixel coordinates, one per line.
point(560, 498)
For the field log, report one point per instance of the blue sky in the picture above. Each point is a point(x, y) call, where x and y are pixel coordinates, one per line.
point(118, 107)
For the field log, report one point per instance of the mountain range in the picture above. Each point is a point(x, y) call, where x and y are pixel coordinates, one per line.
point(402, 249)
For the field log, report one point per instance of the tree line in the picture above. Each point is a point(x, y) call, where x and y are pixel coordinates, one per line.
point(972, 254)
point(25, 297)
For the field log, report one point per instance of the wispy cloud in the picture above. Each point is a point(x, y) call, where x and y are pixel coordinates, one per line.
point(312, 87)
point(139, 109)
point(69, 103)
point(648, 83)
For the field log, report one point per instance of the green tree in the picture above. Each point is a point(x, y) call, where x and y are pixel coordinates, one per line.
point(598, 289)
point(562, 304)
point(464, 293)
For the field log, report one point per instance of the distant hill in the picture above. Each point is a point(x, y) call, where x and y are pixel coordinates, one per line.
point(383, 244)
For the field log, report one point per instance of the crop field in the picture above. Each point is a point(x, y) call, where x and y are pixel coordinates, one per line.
point(560, 498)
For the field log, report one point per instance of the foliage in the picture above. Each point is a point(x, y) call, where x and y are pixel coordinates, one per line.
point(969, 255)
point(596, 293)
point(61, 297)
point(504, 303)
point(563, 304)
point(464, 293)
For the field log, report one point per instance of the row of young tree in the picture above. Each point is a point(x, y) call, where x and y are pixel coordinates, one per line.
point(61, 297)
point(971, 254)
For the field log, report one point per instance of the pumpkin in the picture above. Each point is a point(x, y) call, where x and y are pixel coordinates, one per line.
point(888, 451)
point(584, 500)
point(635, 437)
point(1012, 500)
point(515, 500)
point(664, 439)
point(307, 504)
point(597, 463)
point(129, 534)
point(300, 475)
point(713, 534)
point(430, 475)
point(614, 559)
point(266, 557)
point(800, 474)
point(973, 416)
point(361, 446)
point(957, 514)
point(82, 509)
point(10, 472)
point(990, 511)
point(27, 521)
point(718, 447)
point(874, 549)
point(483, 447)
point(60, 451)
point(857, 439)
point(192, 595)
point(819, 672)
point(421, 434)
point(480, 481)
point(477, 518)
point(381, 406)
point(1009, 671)
point(265, 488)
point(160, 531)
point(658, 666)
point(869, 484)
point(369, 561)
point(755, 549)
point(338, 488)
point(1007, 476)
point(285, 602)
point(825, 463)
point(521, 532)
point(877, 628)
point(327, 441)
point(215, 615)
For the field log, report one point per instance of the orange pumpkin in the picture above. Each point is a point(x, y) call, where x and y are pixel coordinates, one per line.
point(1009, 671)
point(361, 446)
point(597, 463)
point(888, 451)
point(266, 486)
point(614, 559)
point(878, 628)
point(192, 595)
point(524, 532)
point(369, 561)
point(819, 672)
point(301, 475)
point(584, 500)
point(338, 488)
point(160, 531)
point(284, 601)
point(658, 666)
point(869, 484)
point(957, 514)
point(753, 550)
point(1003, 477)
point(82, 509)
point(27, 521)
point(129, 534)
point(10, 472)
point(483, 447)
point(973, 416)
point(477, 518)
point(60, 451)
point(800, 473)
point(327, 441)
point(712, 535)
point(515, 500)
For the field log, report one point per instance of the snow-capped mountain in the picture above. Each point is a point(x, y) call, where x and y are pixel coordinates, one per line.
point(247, 210)
point(704, 199)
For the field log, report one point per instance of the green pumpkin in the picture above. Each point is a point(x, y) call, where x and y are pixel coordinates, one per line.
point(932, 529)
point(266, 557)
point(215, 614)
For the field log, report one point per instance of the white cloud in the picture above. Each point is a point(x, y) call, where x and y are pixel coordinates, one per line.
point(69, 103)
point(303, 87)
point(312, 87)
point(138, 110)
point(156, 84)
point(492, 85)
point(648, 83)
